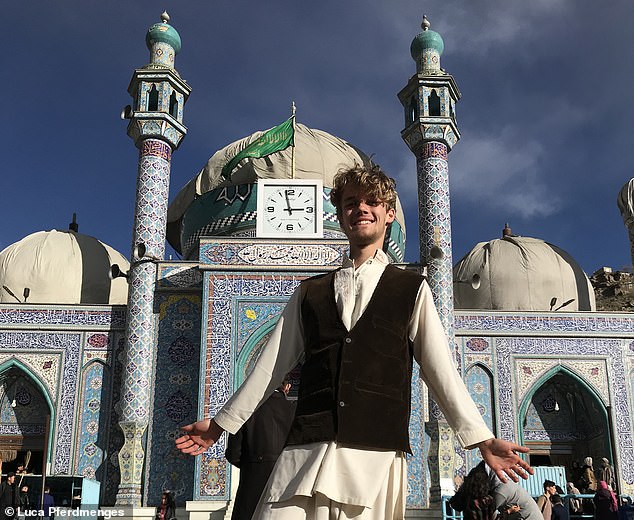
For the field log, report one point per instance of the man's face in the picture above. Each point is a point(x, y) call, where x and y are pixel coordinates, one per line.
point(363, 219)
point(10, 479)
point(552, 490)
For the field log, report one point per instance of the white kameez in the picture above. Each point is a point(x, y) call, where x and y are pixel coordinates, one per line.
point(359, 481)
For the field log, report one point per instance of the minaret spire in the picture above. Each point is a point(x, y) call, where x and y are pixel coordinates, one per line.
point(429, 100)
point(156, 126)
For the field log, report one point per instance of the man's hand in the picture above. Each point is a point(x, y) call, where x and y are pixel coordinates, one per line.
point(199, 436)
point(501, 456)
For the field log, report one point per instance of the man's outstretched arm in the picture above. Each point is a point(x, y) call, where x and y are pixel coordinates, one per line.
point(279, 355)
point(199, 436)
point(502, 457)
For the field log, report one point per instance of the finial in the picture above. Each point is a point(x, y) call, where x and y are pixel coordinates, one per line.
point(165, 18)
point(507, 232)
point(425, 25)
point(73, 226)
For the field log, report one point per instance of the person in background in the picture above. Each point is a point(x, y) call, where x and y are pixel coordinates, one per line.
point(8, 498)
point(605, 505)
point(482, 493)
point(588, 478)
point(167, 509)
point(24, 502)
point(574, 503)
point(606, 472)
point(559, 510)
point(256, 447)
point(48, 503)
point(543, 502)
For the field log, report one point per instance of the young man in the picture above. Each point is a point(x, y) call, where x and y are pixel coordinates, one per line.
point(543, 502)
point(358, 327)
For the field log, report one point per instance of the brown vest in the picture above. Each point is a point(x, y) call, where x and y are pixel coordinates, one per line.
point(355, 386)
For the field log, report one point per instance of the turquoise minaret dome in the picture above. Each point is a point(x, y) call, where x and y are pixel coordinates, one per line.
point(163, 41)
point(427, 48)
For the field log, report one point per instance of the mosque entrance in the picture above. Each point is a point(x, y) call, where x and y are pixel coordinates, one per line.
point(565, 422)
point(23, 421)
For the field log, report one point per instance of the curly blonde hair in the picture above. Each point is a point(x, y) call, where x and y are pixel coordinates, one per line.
point(371, 179)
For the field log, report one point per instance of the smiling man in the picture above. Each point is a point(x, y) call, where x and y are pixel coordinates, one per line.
point(359, 327)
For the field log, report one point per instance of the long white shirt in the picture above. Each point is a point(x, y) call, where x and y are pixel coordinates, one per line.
point(344, 474)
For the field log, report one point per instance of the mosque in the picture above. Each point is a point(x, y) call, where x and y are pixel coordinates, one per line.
point(98, 372)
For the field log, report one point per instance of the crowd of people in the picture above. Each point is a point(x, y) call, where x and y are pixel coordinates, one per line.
point(483, 497)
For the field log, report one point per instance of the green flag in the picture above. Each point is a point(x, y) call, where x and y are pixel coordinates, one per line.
point(271, 141)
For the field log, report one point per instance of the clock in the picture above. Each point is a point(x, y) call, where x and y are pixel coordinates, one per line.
point(290, 208)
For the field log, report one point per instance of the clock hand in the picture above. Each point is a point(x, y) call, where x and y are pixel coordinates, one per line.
point(288, 204)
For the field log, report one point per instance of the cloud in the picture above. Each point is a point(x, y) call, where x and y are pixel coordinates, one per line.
point(502, 172)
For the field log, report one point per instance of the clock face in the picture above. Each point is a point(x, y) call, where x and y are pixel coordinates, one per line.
point(290, 208)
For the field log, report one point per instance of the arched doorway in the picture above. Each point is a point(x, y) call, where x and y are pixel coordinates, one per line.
point(24, 420)
point(251, 352)
point(563, 420)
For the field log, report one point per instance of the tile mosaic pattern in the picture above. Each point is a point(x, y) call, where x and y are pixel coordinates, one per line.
point(149, 228)
point(45, 366)
point(162, 54)
point(178, 276)
point(94, 403)
point(175, 396)
point(222, 293)
point(416, 464)
point(435, 227)
point(27, 415)
point(428, 62)
point(552, 417)
point(110, 485)
point(511, 353)
point(434, 220)
point(479, 382)
point(593, 372)
point(548, 324)
point(62, 316)
point(16, 344)
point(239, 253)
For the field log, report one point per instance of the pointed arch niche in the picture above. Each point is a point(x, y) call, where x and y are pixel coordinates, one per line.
point(563, 420)
point(26, 418)
point(250, 353)
point(479, 381)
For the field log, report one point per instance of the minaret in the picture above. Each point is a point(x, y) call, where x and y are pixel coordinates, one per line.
point(156, 126)
point(625, 202)
point(429, 99)
point(430, 132)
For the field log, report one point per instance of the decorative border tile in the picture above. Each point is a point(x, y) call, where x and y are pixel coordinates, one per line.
point(239, 253)
point(109, 318)
point(468, 322)
point(509, 350)
point(70, 345)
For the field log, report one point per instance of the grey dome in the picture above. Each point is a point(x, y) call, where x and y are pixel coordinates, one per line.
point(61, 267)
point(521, 274)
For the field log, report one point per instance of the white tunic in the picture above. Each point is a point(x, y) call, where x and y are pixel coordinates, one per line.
point(344, 474)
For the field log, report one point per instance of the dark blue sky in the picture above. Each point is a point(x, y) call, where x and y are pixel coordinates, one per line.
point(545, 116)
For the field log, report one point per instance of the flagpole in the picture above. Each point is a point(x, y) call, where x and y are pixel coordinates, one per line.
point(293, 147)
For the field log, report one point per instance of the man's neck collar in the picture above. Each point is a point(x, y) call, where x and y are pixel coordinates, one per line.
point(379, 256)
